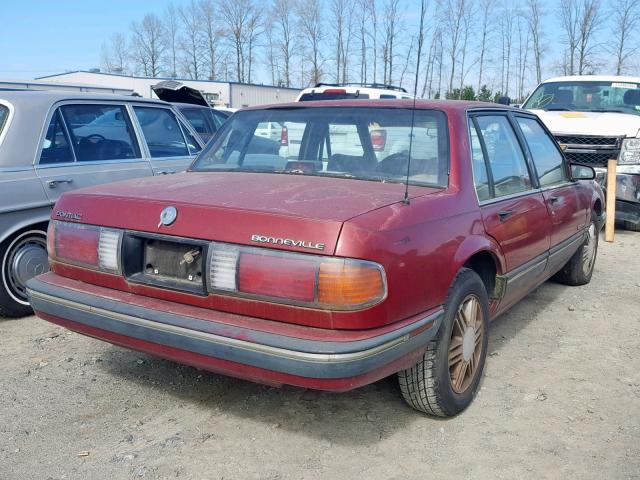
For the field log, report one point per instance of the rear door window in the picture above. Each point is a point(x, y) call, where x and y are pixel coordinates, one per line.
point(100, 132)
point(56, 147)
point(547, 159)
point(506, 160)
point(201, 120)
point(162, 132)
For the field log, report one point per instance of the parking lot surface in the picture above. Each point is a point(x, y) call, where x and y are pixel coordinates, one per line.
point(560, 399)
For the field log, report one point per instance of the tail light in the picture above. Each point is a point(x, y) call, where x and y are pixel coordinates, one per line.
point(378, 140)
point(295, 278)
point(284, 137)
point(335, 91)
point(84, 245)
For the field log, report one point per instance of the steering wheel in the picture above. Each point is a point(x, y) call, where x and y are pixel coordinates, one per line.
point(394, 164)
point(94, 138)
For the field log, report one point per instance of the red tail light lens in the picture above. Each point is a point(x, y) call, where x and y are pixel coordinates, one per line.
point(295, 278)
point(277, 276)
point(284, 136)
point(335, 91)
point(75, 243)
point(84, 245)
point(378, 140)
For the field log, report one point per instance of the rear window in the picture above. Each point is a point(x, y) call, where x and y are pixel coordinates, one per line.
point(364, 143)
point(332, 96)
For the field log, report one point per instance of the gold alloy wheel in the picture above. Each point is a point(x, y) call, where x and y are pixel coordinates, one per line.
point(589, 252)
point(465, 348)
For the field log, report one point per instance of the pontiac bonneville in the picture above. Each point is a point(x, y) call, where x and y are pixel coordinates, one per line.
point(333, 268)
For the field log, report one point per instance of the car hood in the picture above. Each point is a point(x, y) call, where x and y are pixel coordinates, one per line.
point(235, 206)
point(607, 124)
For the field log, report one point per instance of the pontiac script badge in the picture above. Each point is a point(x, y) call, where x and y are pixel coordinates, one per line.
point(287, 241)
point(168, 216)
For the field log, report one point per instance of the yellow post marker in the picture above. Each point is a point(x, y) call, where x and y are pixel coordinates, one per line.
point(610, 225)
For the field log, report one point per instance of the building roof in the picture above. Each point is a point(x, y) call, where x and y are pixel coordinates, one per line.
point(164, 78)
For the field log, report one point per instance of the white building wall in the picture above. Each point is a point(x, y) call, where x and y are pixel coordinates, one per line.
point(229, 94)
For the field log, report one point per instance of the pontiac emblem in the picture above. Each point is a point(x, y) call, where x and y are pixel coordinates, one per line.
point(168, 216)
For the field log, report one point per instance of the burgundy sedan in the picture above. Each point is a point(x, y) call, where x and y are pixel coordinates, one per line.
point(370, 238)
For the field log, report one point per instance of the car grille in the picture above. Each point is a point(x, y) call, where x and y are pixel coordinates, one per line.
point(590, 150)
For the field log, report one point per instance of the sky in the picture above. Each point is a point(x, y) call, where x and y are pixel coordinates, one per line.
point(39, 37)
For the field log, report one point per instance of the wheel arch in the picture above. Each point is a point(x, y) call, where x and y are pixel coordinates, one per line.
point(484, 256)
point(39, 222)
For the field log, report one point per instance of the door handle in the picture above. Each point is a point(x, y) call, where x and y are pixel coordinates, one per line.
point(504, 214)
point(54, 183)
point(554, 200)
point(166, 172)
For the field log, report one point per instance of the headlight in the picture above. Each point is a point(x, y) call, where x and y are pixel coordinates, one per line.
point(630, 152)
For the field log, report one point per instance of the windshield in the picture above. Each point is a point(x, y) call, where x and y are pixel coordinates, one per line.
point(364, 143)
point(621, 97)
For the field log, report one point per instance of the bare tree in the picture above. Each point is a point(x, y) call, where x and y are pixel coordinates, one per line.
point(590, 21)
point(626, 19)
point(506, 27)
point(363, 21)
point(283, 23)
point(391, 27)
point(115, 54)
point(523, 51)
point(468, 13)
point(372, 9)
point(171, 28)
point(212, 33)
point(192, 39)
point(570, 18)
point(310, 24)
point(243, 23)
point(148, 45)
point(534, 17)
point(487, 7)
point(452, 23)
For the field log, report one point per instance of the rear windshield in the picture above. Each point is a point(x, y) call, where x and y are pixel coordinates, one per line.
point(363, 143)
point(4, 114)
point(332, 96)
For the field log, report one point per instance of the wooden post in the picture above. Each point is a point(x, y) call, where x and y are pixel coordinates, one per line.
point(610, 225)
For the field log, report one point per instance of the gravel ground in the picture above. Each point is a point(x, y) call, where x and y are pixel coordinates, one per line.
point(560, 399)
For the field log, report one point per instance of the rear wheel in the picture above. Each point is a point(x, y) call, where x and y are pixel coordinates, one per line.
point(23, 256)
point(579, 268)
point(445, 380)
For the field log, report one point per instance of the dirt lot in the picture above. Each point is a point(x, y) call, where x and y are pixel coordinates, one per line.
point(560, 399)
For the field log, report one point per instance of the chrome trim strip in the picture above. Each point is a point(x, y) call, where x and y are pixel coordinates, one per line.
point(226, 341)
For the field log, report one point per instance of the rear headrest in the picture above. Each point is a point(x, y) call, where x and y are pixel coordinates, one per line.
point(631, 97)
point(563, 97)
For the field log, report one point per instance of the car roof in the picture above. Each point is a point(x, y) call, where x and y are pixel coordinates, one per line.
point(444, 105)
point(594, 78)
point(17, 97)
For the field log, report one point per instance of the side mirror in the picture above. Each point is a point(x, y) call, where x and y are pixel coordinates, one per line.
point(504, 100)
point(582, 172)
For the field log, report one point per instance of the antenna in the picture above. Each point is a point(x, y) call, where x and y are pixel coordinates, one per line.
point(415, 94)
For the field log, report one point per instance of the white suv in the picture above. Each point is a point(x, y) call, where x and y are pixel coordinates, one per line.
point(352, 91)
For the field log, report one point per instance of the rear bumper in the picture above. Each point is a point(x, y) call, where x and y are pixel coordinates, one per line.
point(154, 327)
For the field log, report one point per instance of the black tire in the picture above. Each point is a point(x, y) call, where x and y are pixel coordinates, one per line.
point(633, 227)
point(579, 269)
point(427, 386)
point(24, 245)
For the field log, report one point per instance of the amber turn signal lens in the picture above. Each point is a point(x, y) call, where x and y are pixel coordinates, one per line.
point(350, 284)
